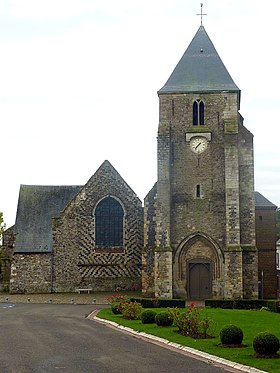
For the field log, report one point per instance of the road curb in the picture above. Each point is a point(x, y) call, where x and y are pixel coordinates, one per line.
point(217, 361)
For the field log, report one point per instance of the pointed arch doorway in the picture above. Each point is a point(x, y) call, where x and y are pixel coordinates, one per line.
point(198, 263)
point(199, 279)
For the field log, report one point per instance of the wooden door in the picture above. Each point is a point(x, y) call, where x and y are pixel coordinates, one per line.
point(199, 280)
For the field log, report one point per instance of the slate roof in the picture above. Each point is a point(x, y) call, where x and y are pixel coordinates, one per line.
point(262, 202)
point(200, 69)
point(36, 207)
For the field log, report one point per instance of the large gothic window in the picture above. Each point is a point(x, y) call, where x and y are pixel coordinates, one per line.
point(109, 223)
point(198, 113)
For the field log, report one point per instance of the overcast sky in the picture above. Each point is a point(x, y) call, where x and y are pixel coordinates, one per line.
point(79, 82)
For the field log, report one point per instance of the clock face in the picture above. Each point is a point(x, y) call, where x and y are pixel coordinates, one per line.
point(198, 144)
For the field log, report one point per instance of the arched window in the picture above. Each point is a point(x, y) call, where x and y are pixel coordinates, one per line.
point(198, 113)
point(109, 223)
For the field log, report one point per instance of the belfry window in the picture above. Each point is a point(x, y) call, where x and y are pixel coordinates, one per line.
point(109, 216)
point(198, 113)
point(197, 191)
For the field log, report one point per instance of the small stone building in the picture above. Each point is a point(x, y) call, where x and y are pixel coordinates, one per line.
point(266, 244)
point(203, 233)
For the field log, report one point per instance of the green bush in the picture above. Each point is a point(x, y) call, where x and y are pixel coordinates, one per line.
point(219, 303)
point(273, 305)
point(266, 344)
point(159, 303)
point(164, 318)
point(148, 316)
point(115, 307)
point(145, 302)
point(243, 304)
point(165, 303)
point(131, 310)
point(231, 335)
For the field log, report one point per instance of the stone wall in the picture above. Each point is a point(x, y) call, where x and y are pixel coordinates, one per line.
point(148, 254)
point(163, 273)
point(246, 193)
point(189, 214)
point(7, 254)
point(250, 272)
point(31, 273)
point(78, 262)
point(233, 273)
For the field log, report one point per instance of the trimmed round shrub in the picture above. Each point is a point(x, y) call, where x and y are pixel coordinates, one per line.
point(164, 318)
point(115, 307)
point(148, 316)
point(266, 344)
point(231, 335)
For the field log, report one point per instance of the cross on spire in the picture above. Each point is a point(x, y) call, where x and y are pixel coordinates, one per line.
point(201, 13)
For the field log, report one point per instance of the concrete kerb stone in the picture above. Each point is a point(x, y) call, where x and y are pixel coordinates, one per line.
point(204, 356)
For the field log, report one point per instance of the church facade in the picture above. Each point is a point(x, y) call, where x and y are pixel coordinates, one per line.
point(69, 237)
point(196, 235)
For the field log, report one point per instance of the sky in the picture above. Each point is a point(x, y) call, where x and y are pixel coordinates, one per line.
point(79, 82)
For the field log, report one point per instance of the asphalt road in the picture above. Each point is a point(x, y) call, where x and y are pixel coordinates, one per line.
point(39, 338)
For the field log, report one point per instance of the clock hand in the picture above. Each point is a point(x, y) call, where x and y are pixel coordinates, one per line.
point(197, 145)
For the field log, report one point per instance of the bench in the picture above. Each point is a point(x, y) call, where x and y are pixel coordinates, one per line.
point(84, 291)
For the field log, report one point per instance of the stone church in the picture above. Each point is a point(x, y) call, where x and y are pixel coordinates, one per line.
point(203, 231)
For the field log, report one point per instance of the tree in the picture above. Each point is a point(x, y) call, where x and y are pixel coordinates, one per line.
point(2, 226)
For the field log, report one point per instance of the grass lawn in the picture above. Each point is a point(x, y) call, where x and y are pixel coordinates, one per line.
point(251, 323)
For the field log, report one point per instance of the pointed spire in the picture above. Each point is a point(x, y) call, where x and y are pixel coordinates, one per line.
point(200, 69)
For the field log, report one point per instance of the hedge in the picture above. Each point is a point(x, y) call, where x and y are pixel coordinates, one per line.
point(159, 303)
point(243, 304)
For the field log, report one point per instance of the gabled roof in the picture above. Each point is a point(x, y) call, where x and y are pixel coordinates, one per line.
point(37, 206)
point(200, 69)
point(262, 202)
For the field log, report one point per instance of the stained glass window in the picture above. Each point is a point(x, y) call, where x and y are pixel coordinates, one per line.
point(109, 223)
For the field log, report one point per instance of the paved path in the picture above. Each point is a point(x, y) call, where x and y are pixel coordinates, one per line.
point(47, 338)
point(70, 298)
point(58, 298)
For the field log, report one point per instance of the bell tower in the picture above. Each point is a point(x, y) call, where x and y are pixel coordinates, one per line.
point(204, 211)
